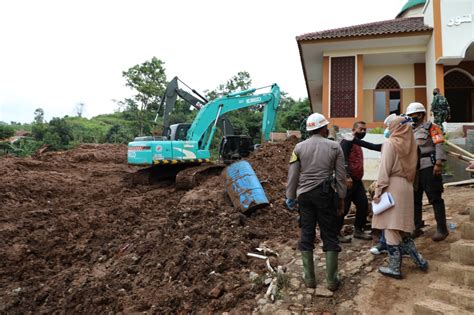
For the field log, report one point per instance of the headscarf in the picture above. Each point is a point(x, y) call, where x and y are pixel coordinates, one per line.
point(403, 141)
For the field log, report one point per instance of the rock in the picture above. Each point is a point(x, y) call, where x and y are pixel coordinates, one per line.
point(268, 281)
point(299, 262)
point(352, 281)
point(321, 291)
point(217, 291)
point(368, 269)
point(296, 307)
point(253, 276)
point(300, 297)
point(321, 264)
point(310, 290)
point(295, 283)
point(307, 299)
point(262, 301)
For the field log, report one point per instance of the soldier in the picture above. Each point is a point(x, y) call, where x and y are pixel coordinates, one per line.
point(320, 197)
point(430, 139)
point(440, 108)
point(304, 133)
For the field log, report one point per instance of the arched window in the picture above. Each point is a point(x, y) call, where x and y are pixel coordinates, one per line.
point(457, 79)
point(387, 98)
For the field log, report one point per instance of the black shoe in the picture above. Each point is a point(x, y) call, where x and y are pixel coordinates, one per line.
point(416, 233)
point(361, 235)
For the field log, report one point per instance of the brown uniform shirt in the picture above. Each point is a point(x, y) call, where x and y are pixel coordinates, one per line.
point(312, 162)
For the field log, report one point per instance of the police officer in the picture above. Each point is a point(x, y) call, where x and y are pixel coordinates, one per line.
point(430, 139)
point(313, 165)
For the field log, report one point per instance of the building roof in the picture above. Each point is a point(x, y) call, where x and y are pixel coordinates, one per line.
point(395, 26)
point(410, 4)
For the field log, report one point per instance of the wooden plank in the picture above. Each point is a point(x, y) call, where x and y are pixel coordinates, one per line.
point(463, 182)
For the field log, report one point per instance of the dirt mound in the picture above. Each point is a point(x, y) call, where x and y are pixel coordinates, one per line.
point(76, 237)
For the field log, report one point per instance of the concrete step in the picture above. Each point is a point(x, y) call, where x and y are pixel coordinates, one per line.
point(467, 230)
point(453, 294)
point(433, 307)
point(462, 252)
point(457, 273)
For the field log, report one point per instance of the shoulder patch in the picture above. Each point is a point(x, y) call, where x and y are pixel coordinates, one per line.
point(436, 134)
point(294, 158)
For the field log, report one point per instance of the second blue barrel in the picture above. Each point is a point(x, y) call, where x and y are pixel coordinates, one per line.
point(244, 188)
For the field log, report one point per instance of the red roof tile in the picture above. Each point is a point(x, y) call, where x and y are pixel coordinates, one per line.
point(396, 26)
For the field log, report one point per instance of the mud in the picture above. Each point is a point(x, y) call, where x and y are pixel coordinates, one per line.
point(76, 236)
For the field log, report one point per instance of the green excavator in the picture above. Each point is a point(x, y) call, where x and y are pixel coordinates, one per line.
point(183, 150)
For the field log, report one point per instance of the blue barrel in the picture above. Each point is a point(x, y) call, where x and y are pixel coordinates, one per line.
point(244, 188)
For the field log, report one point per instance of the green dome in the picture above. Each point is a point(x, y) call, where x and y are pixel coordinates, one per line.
point(410, 4)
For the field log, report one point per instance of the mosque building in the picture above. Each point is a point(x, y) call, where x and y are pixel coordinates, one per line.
point(365, 72)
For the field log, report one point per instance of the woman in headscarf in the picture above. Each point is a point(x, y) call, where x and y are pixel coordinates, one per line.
point(396, 175)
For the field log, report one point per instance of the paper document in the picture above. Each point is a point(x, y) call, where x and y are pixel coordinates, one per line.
point(386, 202)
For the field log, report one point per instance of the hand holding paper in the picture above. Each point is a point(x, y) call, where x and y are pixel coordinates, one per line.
point(386, 202)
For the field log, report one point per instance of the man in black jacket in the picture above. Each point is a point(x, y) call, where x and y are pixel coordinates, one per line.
point(354, 163)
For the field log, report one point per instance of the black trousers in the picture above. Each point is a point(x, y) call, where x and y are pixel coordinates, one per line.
point(358, 196)
point(433, 187)
point(318, 208)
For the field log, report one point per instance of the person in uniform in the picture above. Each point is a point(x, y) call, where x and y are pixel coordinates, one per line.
point(430, 139)
point(317, 183)
point(440, 108)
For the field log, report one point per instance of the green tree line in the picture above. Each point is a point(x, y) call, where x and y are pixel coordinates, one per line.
point(135, 116)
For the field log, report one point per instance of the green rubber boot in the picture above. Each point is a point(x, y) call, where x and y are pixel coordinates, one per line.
point(332, 277)
point(308, 268)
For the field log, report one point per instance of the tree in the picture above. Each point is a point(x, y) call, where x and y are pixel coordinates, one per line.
point(39, 116)
point(6, 131)
point(149, 81)
point(239, 82)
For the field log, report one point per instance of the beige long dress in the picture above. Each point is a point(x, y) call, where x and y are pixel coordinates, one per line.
point(392, 179)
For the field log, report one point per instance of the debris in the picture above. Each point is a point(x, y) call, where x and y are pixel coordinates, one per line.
point(257, 256)
point(463, 182)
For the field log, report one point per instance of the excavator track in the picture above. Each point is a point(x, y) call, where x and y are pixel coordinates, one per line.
point(194, 176)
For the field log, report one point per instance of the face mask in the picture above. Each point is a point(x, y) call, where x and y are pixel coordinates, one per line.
point(414, 119)
point(360, 135)
point(435, 93)
point(386, 133)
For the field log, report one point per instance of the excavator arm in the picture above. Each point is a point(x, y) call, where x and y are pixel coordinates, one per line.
point(203, 128)
point(168, 103)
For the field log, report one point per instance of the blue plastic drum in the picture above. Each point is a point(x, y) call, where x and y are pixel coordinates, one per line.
point(244, 188)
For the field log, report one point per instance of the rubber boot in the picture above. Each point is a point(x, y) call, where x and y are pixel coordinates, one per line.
point(440, 216)
point(332, 277)
point(408, 246)
point(394, 263)
point(308, 269)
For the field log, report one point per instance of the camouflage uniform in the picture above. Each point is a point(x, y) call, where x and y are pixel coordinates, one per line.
point(304, 133)
point(440, 109)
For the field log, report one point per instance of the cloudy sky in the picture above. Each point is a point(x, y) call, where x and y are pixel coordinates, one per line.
point(56, 54)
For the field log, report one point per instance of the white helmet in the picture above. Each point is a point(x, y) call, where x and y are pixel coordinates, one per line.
point(316, 121)
point(415, 107)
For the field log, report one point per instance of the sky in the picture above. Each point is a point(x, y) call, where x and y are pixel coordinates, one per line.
point(56, 54)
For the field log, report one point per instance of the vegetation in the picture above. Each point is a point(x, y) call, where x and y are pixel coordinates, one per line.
point(135, 115)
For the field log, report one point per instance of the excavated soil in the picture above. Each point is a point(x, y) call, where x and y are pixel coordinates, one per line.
point(76, 236)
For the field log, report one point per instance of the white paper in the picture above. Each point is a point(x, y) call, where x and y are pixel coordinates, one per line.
point(386, 202)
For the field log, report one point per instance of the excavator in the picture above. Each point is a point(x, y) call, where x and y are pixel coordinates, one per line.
point(183, 151)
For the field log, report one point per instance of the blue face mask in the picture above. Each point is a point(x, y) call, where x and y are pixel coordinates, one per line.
point(386, 133)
